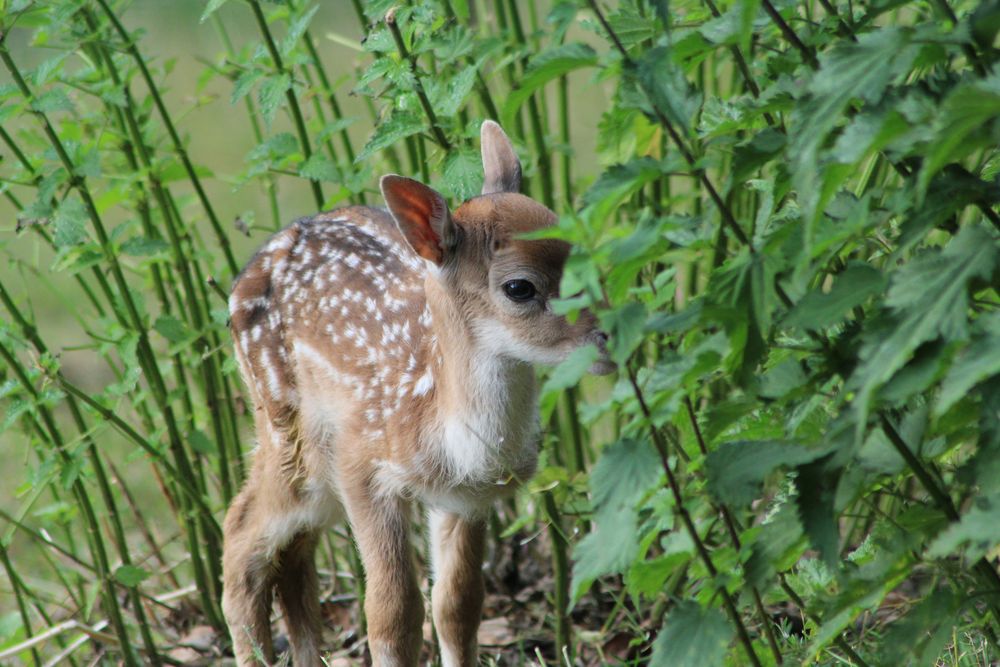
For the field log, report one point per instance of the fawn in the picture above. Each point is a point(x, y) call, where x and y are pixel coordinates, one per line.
point(389, 357)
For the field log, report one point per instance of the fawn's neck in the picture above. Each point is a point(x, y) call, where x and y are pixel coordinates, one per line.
point(484, 401)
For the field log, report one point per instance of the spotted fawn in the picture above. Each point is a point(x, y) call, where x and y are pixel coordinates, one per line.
point(389, 357)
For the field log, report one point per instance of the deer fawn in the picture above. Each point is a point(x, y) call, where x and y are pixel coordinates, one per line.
point(389, 359)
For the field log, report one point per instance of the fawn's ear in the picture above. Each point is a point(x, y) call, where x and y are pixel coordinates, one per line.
point(500, 164)
point(421, 214)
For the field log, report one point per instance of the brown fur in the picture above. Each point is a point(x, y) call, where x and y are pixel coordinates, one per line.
point(387, 363)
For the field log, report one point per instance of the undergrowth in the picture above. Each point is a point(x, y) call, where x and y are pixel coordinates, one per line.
point(789, 231)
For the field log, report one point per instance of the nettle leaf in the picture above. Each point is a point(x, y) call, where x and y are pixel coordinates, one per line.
point(742, 291)
point(929, 297)
point(852, 287)
point(212, 7)
point(130, 575)
point(692, 637)
point(977, 362)
point(663, 80)
point(296, 29)
point(568, 373)
point(70, 223)
point(244, 84)
point(974, 535)
point(922, 634)
point(736, 470)
point(850, 71)
point(320, 168)
point(398, 126)
point(447, 98)
point(626, 327)
point(544, 67)
point(623, 475)
point(967, 108)
point(271, 95)
point(52, 100)
point(463, 174)
point(817, 485)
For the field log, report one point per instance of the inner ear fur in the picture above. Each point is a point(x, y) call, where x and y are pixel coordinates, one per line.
point(502, 169)
point(421, 214)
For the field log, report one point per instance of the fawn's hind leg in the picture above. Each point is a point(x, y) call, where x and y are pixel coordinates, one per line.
point(270, 536)
point(298, 594)
point(248, 582)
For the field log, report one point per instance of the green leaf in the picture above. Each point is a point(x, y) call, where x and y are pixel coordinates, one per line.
point(70, 223)
point(398, 126)
point(623, 474)
point(244, 83)
point(692, 637)
point(171, 328)
point(212, 7)
point(271, 95)
point(625, 327)
point(736, 470)
point(929, 298)
point(130, 575)
point(667, 89)
point(568, 373)
point(979, 361)
point(967, 108)
point(320, 168)
point(852, 287)
point(55, 99)
point(463, 174)
point(974, 535)
point(544, 67)
point(296, 28)
point(448, 99)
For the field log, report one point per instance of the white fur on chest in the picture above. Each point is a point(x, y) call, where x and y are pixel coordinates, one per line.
point(490, 438)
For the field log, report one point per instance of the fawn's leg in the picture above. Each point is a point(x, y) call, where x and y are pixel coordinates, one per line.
point(457, 546)
point(248, 580)
point(298, 594)
point(393, 603)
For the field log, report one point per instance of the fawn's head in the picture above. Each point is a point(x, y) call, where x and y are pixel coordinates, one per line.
point(500, 284)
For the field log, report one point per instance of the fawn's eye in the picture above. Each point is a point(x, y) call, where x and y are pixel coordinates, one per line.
point(519, 290)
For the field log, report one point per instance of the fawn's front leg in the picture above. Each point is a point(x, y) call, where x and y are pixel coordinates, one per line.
point(393, 603)
point(457, 545)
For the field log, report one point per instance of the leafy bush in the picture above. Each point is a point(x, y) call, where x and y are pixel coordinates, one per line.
point(789, 230)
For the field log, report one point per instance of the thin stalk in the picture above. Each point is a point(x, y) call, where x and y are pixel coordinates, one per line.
point(984, 570)
point(258, 134)
point(290, 96)
point(700, 548)
point(560, 564)
point(808, 55)
point(175, 138)
point(544, 162)
point(397, 36)
point(19, 592)
point(109, 599)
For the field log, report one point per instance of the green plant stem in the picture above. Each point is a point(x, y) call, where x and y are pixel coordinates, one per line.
point(175, 138)
point(258, 134)
point(808, 55)
point(560, 564)
point(425, 104)
point(133, 320)
point(700, 548)
point(985, 571)
point(293, 100)
point(17, 589)
point(98, 552)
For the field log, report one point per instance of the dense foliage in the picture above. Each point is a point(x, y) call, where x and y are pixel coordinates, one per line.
point(789, 230)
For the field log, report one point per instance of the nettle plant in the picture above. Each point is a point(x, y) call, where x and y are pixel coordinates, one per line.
point(789, 230)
